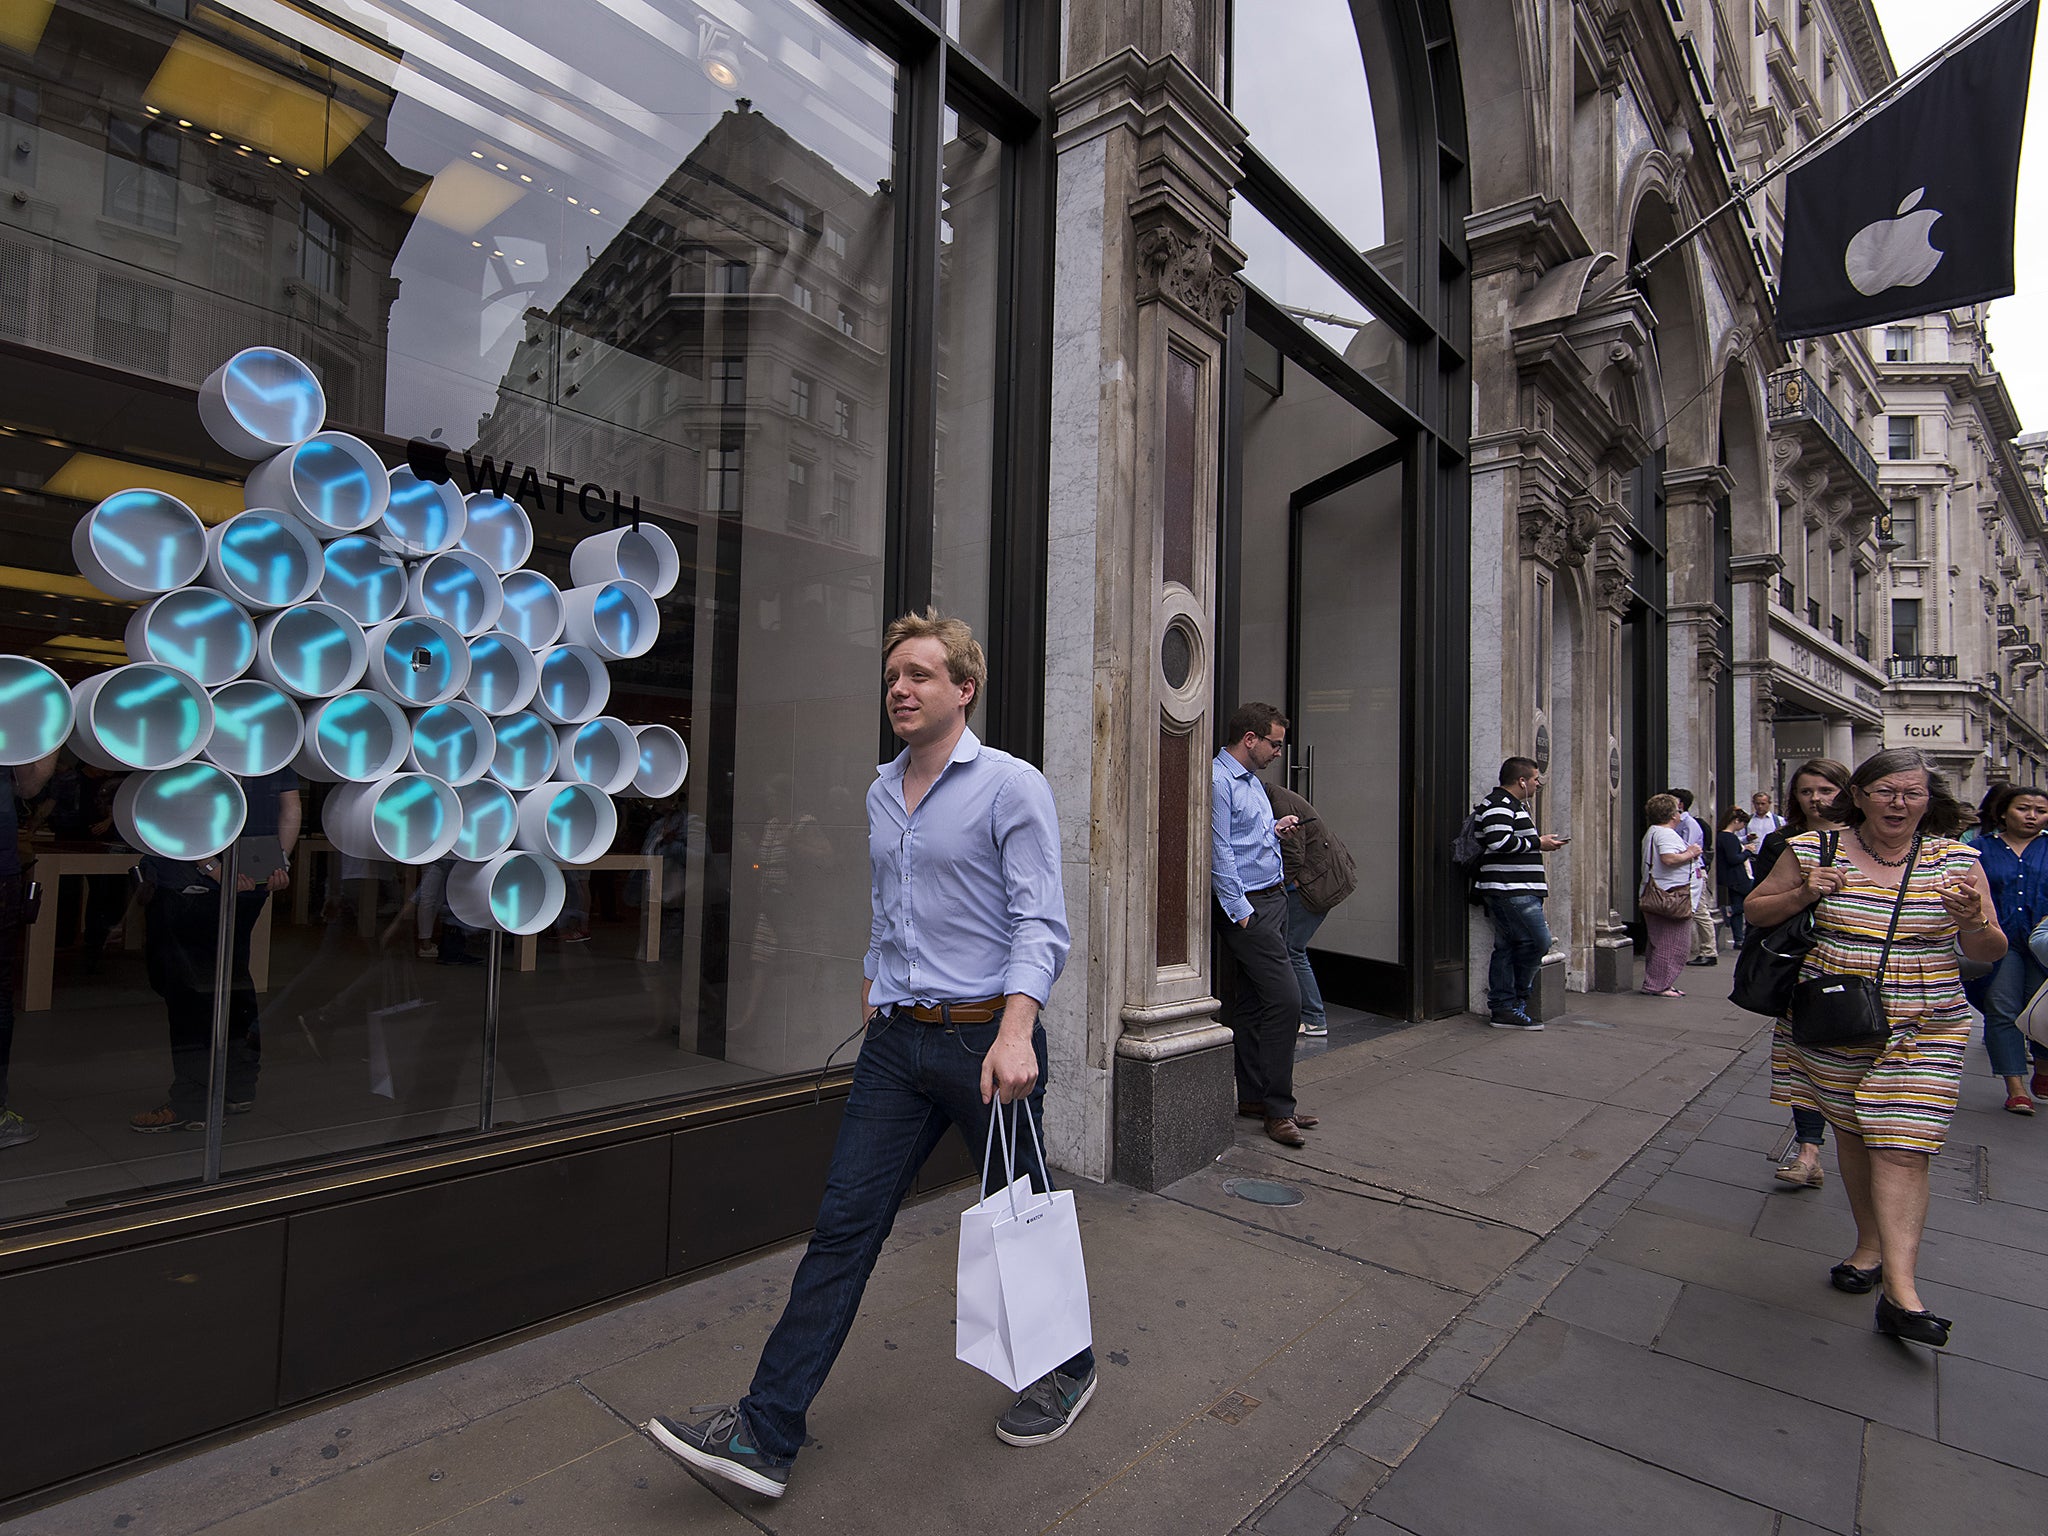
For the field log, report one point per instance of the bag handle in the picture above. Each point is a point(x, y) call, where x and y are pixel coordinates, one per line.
point(995, 1119)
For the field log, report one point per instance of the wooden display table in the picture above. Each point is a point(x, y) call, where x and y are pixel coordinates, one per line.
point(650, 905)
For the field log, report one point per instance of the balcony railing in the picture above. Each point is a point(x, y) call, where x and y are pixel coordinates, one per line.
point(1795, 396)
point(1863, 646)
point(1787, 594)
point(2004, 614)
point(1813, 612)
point(1922, 669)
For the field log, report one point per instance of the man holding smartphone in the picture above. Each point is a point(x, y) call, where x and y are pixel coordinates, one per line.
point(1511, 882)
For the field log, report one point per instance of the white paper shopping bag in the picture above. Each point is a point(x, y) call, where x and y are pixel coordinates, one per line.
point(1022, 1295)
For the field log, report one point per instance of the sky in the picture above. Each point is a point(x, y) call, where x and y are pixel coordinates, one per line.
point(2019, 325)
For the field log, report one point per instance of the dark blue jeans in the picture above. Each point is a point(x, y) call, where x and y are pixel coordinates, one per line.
point(2006, 994)
point(910, 1082)
point(1302, 923)
point(1521, 938)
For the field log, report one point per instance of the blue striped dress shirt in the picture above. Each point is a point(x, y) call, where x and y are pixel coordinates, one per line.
point(1244, 850)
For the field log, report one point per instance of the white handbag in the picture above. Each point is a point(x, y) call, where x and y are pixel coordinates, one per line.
point(1022, 1297)
point(2033, 1019)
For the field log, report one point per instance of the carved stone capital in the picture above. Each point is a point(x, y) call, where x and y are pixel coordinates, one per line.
point(1614, 590)
point(1188, 269)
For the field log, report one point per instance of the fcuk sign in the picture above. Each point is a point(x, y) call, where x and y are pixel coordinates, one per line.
point(1935, 733)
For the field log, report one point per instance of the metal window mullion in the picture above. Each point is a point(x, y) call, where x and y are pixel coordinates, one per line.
point(913, 405)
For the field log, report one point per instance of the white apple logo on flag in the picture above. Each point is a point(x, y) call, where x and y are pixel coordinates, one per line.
point(1894, 253)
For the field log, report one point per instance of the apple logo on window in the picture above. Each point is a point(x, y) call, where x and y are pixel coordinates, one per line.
point(1894, 253)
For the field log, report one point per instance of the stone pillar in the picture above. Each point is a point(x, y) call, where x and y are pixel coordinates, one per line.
point(1143, 292)
point(1614, 952)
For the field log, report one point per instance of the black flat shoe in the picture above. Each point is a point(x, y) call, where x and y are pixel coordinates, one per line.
point(1857, 1282)
point(1896, 1322)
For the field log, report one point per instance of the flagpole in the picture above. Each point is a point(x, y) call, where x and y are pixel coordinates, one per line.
point(1822, 140)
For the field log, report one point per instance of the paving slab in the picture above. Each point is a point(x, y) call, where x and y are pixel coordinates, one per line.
point(1843, 1364)
point(1996, 1413)
point(1994, 1221)
point(626, 1488)
point(1486, 1469)
point(1914, 1487)
point(1706, 1201)
point(1987, 1328)
point(1616, 1299)
point(1716, 1429)
point(1747, 1266)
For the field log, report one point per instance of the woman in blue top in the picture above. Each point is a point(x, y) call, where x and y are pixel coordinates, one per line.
point(2015, 859)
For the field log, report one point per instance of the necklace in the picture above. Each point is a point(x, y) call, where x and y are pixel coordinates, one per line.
point(1887, 863)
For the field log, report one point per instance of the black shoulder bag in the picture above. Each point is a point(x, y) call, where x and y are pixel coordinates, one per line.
point(1837, 1011)
point(1768, 968)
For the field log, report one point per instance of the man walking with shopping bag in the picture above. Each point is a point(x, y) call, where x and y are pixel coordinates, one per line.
point(968, 934)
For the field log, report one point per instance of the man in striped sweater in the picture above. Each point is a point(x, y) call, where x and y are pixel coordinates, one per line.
point(1510, 881)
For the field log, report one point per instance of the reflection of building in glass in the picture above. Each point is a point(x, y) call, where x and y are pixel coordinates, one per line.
point(175, 192)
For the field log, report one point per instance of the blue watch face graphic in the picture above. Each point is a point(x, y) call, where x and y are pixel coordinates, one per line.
point(498, 532)
point(424, 517)
point(412, 814)
point(500, 679)
point(453, 742)
point(419, 662)
point(525, 754)
point(269, 562)
point(335, 485)
point(520, 891)
point(147, 716)
point(256, 729)
point(191, 812)
point(36, 711)
point(362, 580)
point(203, 634)
point(273, 396)
point(533, 609)
point(357, 736)
point(315, 651)
point(146, 541)
point(459, 595)
point(489, 819)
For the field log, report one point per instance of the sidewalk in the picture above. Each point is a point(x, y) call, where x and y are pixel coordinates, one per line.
point(1453, 1183)
point(1696, 1373)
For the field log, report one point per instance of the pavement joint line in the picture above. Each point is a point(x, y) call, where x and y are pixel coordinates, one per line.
point(527, 1482)
point(1710, 1100)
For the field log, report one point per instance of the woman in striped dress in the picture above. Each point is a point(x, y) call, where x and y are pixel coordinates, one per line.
point(1890, 1105)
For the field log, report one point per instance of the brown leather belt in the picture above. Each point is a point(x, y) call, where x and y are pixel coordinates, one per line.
point(987, 1011)
point(1268, 890)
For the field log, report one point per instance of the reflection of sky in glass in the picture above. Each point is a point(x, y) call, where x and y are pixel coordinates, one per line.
point(188, 813)
point(526, 751)
point(334, 485)
point(35, 710)
point(1297, 81)
point(149, 716)
point(311, 649)
point(274, 396)
point(403, 647)
point(489, 818)
point(1278, 268)
point(533, 609)
point(449, 745)
point(520, 890)
point(411, 815)
point(356, 734)
point(362, 581)
point(202, 634)
point(266, 559)
point(256, 729)
point(149, 540)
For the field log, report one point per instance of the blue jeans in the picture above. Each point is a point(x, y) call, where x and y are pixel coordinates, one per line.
point(910, 1082)
point(1521, 938)
point(1301, 927)
point(2005, 993)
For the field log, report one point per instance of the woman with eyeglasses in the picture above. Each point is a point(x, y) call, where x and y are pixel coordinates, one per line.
point(1890, 1102)
point(2015, 857)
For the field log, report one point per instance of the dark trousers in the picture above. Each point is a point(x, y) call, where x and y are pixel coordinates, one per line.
point(911, 1082)
point(181, 950)
point(1267, 1011)
point(10, 960)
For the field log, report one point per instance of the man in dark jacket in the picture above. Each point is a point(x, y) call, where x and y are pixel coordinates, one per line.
point(1319, 873)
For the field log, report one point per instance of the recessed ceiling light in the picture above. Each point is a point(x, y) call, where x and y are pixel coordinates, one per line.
point(501, 165)
point(524, 177)
point(476, 154)
point(573, 202)
point(274, 160)
point(499, 254)
point(154, 111)
point(302, 170)
point(518, 261)
point(214, 136)
point(593, 210)
point(478, 244)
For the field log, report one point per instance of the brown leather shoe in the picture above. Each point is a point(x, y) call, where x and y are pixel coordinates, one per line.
point(1286, 1132)
point(1258, 1112)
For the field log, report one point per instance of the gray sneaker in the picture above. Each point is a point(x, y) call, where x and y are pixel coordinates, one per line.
point(1047, 1407)
point(14, 1130)
point(719, 1446)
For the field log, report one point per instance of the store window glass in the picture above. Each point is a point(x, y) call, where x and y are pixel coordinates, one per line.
point(547, 253)
point(977, 26)
point(1314, 82)
point(969, 263)
point(1329, 311)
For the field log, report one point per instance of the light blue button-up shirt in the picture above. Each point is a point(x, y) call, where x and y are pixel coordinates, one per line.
point(966, 890)
point(1244, 850)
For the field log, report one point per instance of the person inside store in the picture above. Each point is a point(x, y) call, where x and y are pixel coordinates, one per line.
point(1731, 870)
point(1671, 862)
point(1819, 785)
point(181, 907)
point(23, 783)
point(969, 933)
point(1900, 871)
point(2015, 859)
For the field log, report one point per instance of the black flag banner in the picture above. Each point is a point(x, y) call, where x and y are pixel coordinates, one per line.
point(1912, 212)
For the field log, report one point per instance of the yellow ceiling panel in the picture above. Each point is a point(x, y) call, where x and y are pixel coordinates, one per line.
point(90, 477)
point(22, 22)
point(252, 105)
point(14, 579)
point(465, 197)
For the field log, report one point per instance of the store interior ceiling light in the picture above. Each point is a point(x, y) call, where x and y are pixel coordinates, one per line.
point(22, 23)
point(93, 477)
point(718, 55)
point(205, 83)
point(14, 578)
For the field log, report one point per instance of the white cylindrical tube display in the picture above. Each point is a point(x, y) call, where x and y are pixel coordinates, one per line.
point(203, 634)
point(490, 818)
point(189, 812)
point(574, 823)
point(458, 588)
point(499, 530)
point(139, 544)
point(645, 556)
point(520, 893)
point(412, 818)
point(259, 401)
point(314, 650)
point(256, 729)
point(418, 661)
point(533, 609)
point(526, 750)
point(141, 716)
point(603, 753)
point(502, 674)
point(363, 580)
point(423, 517)
point(454, 742)
point(574, 685)
point(616, 619)
point(263, 559)
point(333, 483)
point(664, 762)
point(36, 711)
point(357, 738)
